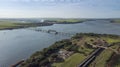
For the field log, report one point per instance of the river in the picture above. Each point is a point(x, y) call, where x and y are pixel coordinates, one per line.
point(19, 44)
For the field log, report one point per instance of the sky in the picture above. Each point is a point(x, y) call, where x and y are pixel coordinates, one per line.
point(59, 8)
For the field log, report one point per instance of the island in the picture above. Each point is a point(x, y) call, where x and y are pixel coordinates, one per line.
point(73, 52)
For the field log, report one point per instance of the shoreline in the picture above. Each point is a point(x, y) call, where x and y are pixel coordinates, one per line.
point(66, 22)
point(51, 51)
point(115, 21)
point(27, 25)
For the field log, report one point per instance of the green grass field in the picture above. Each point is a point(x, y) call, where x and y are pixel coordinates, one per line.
point(111, 40)
point(102, 59)
point(69, 20)
point(66, 20)
point(72, 61)
point(7, 24)
point(117, 21)
point(76, 58)
point(84, 42)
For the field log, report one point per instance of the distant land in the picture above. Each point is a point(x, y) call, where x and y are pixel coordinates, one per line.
point(24, 23)
point(15, 23)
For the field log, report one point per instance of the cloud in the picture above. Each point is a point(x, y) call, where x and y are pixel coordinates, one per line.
point(60, 8)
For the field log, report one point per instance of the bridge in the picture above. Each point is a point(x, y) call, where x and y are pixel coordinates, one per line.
point(52, 31)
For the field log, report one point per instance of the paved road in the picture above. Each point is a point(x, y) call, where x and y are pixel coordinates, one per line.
point(91, 57)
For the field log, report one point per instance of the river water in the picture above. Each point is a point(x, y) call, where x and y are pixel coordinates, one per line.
point(21, 43)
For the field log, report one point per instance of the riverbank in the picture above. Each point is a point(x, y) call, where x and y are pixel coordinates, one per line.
point(14, 25)
point(65, 21)
point(64, 53)
point(115, 21)
point(9, 25)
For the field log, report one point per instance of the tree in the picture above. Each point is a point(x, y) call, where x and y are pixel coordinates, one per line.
point(88, 45)
point(44, 62)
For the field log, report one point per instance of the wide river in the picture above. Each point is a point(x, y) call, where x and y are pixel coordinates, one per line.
point(19, 44)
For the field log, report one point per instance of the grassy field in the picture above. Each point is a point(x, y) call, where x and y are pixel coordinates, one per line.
point(84, 42)
point(76, 58)
point(117, 21)
point(66, 20)
point(6, 24)
point(72, 61)
point(111, 40)
point(69, 20)
point(101, 60)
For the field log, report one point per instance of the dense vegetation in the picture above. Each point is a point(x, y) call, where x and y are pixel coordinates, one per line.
point(45, 57)
point(80, 44)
